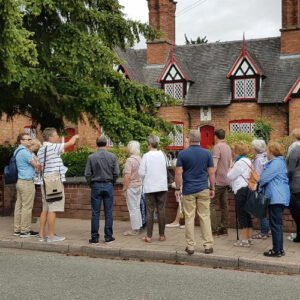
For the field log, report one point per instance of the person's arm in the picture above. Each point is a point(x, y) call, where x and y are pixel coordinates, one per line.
point(216, 160)
point(292, 163)
point(235, 172)
point(216, 156)
point(268, 174)
point(88, 171)
point(116, 170)
point(36, 164)
point(71, 142)
point(143, 168)
point(178, 181)
point(211, 178)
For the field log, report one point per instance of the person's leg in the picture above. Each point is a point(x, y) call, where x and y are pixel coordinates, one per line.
point(295, 212)
point(150, 204)
point(95, 204)
point(43, 221)
point(161, 198)
point(51, 218)
point(189, 206)
point(213, 213)
point(203, 211)
point(133, 198)
point(18, 208)
point(224, 209)
point(108, 203)
point(27, 205)
point(275, 215)
point(264, 227)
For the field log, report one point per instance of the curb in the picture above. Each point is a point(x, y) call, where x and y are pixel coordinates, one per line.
point(179, 257)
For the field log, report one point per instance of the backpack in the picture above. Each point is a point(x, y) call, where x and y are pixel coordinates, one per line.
point(11, 170)
point(253, 178)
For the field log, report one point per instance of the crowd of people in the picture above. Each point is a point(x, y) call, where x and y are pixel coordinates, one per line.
point(202, 181)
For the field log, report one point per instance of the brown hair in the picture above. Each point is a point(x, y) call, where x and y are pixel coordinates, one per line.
point(21, 136)
point(275, 149)
point(241, 148)
point(220, 134)
point(296, 133)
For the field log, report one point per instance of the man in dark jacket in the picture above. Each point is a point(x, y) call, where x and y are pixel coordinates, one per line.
point(101, 172)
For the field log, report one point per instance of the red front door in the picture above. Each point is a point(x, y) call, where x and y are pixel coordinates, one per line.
point(207, 136)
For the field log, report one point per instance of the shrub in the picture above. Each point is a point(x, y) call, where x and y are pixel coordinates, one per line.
point(285, 141)
point(236, 137)
point(6, 151)
point(263, 129)
point(76, 160)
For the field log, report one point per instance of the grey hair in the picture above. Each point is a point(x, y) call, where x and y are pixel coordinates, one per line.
point(194, 136)
point(153, 140)
point(133, 147)
point(48, 132)
point(259, 145)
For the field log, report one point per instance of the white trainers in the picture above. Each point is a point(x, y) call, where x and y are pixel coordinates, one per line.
point(55, 239)
point(172, 225)
point(131, 232)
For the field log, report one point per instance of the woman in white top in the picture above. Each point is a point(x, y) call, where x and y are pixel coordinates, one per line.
point(238, 175)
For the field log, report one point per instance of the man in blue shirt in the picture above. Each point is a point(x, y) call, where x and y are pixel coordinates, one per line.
point(194, 169)
point(25, 187)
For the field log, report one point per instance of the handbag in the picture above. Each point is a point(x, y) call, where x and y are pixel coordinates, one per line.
point(253, 178)
point(52, 184)
point(256, 204)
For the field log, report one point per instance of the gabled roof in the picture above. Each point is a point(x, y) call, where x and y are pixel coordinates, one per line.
point(294, 90)
point(208, 66)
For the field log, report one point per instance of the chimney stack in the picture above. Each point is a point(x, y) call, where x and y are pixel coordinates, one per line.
point(290, 31)
point(161, 17)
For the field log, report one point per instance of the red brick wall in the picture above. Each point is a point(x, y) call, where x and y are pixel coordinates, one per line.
point(78, 205)
point(290, 42)
point(294, 114)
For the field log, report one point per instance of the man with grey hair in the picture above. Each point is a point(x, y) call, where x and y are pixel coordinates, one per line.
point(49, 157)
point(153, 170)
point(101, 172)
point(194, 169)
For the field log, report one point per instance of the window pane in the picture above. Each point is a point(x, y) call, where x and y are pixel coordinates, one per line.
point(178, 90)
point(250, 88)
point(239, 88)
point(169, 88)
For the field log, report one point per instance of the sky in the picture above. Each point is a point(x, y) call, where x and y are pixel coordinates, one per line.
point(218, 20)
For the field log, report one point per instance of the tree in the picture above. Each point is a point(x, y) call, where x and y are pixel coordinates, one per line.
point(56, 63)
point(197, 41)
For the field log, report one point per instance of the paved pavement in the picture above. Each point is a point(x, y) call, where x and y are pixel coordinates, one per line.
point(225, 255)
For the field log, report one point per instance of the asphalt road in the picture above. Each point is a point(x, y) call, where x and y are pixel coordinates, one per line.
point(37, 275)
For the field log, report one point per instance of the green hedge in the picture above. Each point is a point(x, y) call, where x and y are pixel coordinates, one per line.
point(76, 160)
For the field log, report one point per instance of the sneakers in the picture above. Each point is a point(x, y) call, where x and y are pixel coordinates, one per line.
point(189, 251)
point(241, 243)
point(17, 233)
point(292, 236)
point(55, 239)
point(93, 241)
point(28, 234)
point(182, 226)
point(208, 250)
point(131, 232)
point(109, 241)
point(173, 225)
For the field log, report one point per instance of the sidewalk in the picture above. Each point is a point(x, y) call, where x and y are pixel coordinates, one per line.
point(225, 255)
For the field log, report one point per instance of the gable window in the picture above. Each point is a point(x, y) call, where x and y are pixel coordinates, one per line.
point(242, 126)
point(177, 137)
point(245, 88)
point(174, 89)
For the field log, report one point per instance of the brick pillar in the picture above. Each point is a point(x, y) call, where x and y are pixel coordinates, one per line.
point(162, 18)
point(294, 114)
point(290, 32)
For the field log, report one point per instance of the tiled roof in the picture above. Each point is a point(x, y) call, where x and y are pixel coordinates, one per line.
point(207, 65)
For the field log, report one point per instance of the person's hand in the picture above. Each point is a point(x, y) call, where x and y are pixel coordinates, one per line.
point(177, 194)
point(211, 193)
point(124, 193)
point(76, 136)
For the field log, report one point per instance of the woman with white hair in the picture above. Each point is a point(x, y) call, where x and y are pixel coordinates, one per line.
point(259, 150)
point(132, 187)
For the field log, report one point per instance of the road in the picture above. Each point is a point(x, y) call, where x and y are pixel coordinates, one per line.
point(37, 275)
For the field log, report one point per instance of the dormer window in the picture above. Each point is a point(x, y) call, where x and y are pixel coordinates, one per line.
point(122, 70)
point(174, 89)
point(244, 88)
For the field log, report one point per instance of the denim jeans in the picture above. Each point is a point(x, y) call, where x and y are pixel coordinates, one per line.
point(275, 216)
point(264, 226)
point(102, 192)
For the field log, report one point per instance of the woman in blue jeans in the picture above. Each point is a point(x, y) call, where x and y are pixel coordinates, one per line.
point(274, 181)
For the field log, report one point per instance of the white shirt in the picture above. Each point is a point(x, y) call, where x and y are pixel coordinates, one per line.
point(239, 174)
point(153, 170)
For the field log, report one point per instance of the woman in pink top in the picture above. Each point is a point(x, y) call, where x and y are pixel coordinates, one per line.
point(132, 187)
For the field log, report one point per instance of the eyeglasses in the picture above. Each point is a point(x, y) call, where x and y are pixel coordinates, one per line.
point(26, 139)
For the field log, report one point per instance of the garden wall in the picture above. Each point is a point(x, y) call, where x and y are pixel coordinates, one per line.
point(77, 205)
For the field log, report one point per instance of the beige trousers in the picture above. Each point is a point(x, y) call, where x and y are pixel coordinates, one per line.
point(199, 202)
point(24, 204)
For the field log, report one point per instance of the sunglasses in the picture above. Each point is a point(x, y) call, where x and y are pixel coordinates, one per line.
point(26, 139)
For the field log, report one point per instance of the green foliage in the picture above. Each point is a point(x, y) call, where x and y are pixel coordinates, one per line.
point(6, 152)
point(76, 160)
point(263, 129)
point(199, 40)
point(285, 141)
point(56, 63)
point(237, 137)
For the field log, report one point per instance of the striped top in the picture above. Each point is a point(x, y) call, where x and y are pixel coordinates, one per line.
point(54, 162)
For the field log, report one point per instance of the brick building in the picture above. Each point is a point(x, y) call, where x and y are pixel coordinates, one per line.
point(219, 85)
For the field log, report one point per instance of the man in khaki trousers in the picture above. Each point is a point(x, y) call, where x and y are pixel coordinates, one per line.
point(194, 169)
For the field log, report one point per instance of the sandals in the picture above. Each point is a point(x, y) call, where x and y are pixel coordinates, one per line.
point(146, 239)
point(260, 236)
point(272, 253)
point(162, 238)
point(240, 243)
